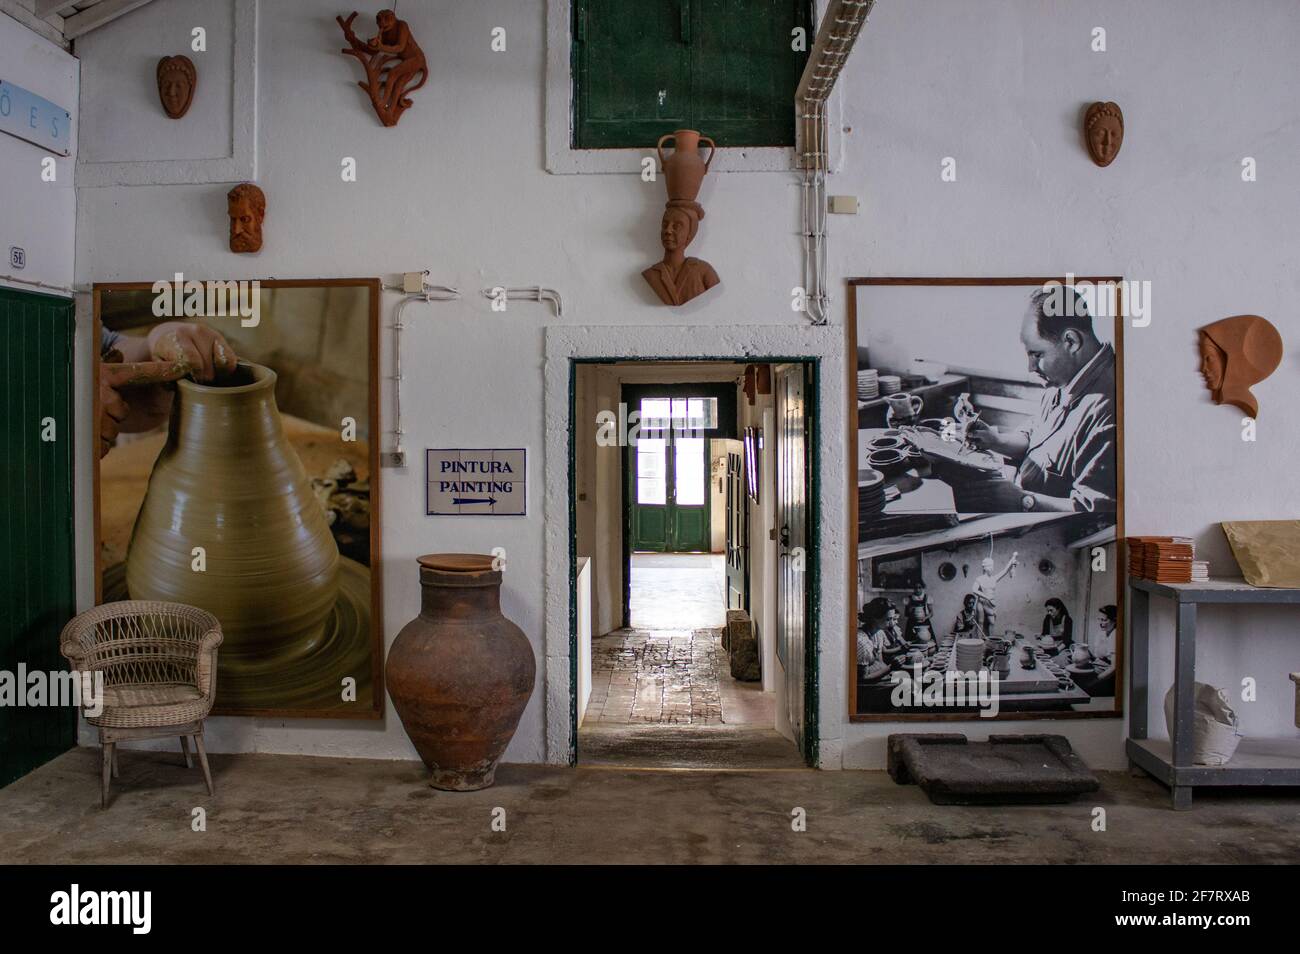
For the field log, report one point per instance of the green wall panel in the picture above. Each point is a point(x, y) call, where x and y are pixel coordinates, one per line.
point(36, 531)
point(724, 67)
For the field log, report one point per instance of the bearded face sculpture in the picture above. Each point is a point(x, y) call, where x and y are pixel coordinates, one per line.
point(1236, 353)
point(177, 80)
point(246, 206)
point(1103, 130)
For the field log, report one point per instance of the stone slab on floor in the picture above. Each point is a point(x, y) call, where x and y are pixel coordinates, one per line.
point(307, 810)
point(1005, 770)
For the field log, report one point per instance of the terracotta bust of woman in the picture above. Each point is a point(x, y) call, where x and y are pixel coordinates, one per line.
point(1236, 353)
point(678, 279)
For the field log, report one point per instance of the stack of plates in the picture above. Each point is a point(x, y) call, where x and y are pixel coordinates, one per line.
point(890, 384)
point(970, 655)
point(868, 385)
point(871, 493)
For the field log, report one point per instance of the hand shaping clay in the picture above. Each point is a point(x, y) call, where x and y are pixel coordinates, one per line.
point(1103, 131)
point(1237, 352)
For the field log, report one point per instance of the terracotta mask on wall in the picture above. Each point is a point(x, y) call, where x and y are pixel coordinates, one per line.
point(177, 80)
point(1236, 353)
point(1103, 130)
point(246, 206)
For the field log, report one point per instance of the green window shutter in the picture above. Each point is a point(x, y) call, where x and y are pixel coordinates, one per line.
point(724, 67)
point(632, 72)
point(744, 72)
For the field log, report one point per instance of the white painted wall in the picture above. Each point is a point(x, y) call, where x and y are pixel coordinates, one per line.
point(460, 187)
point(36, 215)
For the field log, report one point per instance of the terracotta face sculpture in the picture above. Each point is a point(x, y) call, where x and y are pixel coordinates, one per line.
point(177, 79)
point(677, 279)
point(246, 206)
point(1103, 130)
point(1237, 352)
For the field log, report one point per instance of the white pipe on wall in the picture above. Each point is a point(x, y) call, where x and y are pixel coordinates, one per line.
point(836, 35)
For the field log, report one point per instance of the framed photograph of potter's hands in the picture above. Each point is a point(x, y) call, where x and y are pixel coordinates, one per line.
point(236, 433)
point(987, 457)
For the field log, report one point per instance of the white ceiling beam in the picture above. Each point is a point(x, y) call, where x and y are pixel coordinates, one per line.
point(21, 10)
point(49, 8)
point(94, 17)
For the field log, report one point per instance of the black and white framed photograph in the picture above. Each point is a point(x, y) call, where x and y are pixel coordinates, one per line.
point(987, 455)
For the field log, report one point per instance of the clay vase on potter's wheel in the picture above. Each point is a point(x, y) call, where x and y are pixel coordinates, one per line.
point(460, 673)
point(228, 481)
point(684, 169)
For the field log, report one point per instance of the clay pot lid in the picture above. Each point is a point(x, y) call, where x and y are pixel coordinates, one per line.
point(457, 562)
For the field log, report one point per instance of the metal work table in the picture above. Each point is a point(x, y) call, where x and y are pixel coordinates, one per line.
point(1257, 761)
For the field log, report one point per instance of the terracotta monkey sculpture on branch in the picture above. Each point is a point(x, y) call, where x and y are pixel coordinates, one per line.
point(392, 61)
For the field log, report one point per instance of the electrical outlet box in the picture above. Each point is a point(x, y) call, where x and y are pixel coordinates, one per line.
point(844, 204)
point(392, 459)
point(413, 282)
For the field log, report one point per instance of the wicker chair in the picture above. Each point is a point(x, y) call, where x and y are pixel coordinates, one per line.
point(159, 666)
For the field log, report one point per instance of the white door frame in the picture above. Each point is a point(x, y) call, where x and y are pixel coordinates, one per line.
point(767, 343)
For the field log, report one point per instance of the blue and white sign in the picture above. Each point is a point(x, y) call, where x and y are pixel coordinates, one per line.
point(34, 119)
point(465, 482)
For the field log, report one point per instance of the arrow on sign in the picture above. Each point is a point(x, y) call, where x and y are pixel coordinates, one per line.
point(474, 500)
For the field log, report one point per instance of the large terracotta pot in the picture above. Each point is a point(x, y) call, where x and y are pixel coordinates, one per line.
point(460, 673)
point(684, 169)
point(228, 481)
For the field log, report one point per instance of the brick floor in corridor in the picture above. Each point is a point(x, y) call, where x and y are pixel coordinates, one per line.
point(657, 676)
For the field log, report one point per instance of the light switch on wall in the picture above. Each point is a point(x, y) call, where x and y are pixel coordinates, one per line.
point(844, 204)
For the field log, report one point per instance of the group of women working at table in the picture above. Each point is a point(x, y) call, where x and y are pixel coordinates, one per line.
point(884, 632)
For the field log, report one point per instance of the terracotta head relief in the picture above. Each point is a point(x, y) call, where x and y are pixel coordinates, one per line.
point(246, 206)
point(1103, 130)
point(177, 79)
point(1236, 353)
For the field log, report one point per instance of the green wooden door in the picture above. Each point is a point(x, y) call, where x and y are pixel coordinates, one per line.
point(36, 542)
point(669, 492)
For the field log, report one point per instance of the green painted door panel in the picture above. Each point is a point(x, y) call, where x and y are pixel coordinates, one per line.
point(652, 528)
point(743, 70)
point(725, 67)
point(632, 71)
point(36, 535)
point(691, 533)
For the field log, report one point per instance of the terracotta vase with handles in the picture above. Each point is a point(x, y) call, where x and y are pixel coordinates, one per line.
point(684, 169)
point(460, 673)
point(228, 481)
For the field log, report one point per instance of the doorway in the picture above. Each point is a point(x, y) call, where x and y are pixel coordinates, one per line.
point(678, 524)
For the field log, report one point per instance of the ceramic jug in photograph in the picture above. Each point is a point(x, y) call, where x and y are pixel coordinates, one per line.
point(227, 480)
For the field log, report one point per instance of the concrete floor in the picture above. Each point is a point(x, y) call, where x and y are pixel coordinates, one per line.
point(297, 809)
point(678, 591)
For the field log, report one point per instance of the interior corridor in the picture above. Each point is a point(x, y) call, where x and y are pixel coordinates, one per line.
point(670, 667)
